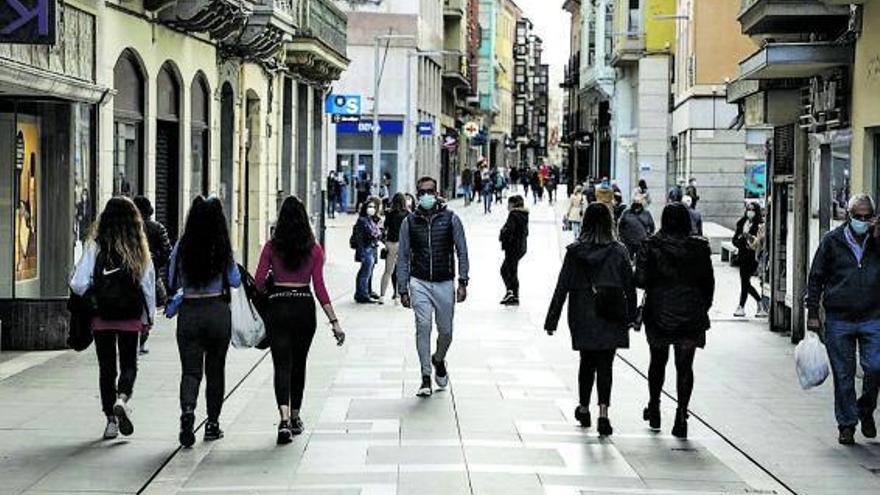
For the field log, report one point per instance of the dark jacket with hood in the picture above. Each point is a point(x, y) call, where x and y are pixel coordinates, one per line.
point(515, 233)
point(677, 275)
point(634, 227)
point(586, 265)
point(741, 236)
point(848, 289)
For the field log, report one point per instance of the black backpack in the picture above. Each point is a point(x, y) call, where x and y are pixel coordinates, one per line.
point(118, 294)
point(353, 240)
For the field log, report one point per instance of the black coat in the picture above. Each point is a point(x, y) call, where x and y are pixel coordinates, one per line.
point(677, 275)
point(741, 239)
point(515, 233)
point(634, 227)
point(849, 290)
point(585, 264)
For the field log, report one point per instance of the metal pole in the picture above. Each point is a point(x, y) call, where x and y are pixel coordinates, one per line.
point(407, 129)
point(376, 140)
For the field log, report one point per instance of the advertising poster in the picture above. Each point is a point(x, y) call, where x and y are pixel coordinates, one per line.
point(27, 163)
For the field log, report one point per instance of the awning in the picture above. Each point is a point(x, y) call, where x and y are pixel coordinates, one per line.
point(18, 79)
point(795, 60)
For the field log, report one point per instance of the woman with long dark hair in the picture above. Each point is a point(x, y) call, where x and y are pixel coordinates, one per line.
point(366, 239)
point(675, 269)
point(295, 261)
point(747, 230)
point(394, 217)
point(203, 266)
point(116, 269)
point(597, 279)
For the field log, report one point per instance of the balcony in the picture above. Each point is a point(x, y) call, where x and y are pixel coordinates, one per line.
point(791, 16)
point(455, 71)
point(223, 20)
point(318, 49)
point(628, 49)
point(795, 60)
point(454, 8)
point(270, 25)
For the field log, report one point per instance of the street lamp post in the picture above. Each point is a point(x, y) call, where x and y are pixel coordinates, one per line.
point(377, 153)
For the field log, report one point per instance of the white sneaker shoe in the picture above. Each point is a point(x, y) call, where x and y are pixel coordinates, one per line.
point(740, 312)
point(111, 431)
point(123, 417)
point(762, 312)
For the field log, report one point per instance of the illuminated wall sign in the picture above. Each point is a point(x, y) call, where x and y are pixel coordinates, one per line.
point(29, 22)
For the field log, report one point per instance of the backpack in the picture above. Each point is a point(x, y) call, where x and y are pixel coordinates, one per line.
point(353, 240)
point(117, 293)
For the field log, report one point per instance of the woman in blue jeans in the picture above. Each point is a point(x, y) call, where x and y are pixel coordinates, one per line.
point(367, 236)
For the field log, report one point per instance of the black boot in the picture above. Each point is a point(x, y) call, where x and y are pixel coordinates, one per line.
point(680, 428)
point(187, 422)
point(582, 415)
point(603, 426)
point(651, 414)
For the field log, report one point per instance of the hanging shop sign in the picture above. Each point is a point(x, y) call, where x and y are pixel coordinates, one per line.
point(425, 128)
point(471, 129)
point(29, 22)
point(341, 104)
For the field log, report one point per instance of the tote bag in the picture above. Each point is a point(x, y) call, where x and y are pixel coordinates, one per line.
point(248, 329)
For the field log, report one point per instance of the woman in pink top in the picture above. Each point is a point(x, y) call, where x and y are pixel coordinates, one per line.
point(290, 261)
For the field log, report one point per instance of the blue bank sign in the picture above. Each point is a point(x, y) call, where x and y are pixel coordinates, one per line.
point(426, 128)
point(341, 104)
point(27, 22)
point(366, 127)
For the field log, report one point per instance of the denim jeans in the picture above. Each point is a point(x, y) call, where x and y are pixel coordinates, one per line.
point(365, 274)
point(841, 338)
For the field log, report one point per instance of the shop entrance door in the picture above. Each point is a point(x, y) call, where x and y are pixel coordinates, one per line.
point(168, 176)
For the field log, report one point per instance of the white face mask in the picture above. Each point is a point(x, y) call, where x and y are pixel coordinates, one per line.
point(750, 214)
point(371, 212)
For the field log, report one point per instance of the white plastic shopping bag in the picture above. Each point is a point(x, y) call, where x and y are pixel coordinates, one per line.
point(248, 328)
point(811, 361)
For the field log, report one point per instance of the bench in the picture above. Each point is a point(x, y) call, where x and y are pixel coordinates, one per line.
point(729, 252)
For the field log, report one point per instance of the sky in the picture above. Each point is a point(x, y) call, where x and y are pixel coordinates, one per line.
point(552, 25)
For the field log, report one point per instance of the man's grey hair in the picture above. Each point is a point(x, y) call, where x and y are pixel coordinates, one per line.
point(860, 199)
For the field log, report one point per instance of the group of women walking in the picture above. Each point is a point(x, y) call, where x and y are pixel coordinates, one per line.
point(116, 274)
point(599, 280)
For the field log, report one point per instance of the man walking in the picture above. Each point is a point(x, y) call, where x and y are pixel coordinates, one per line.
point(430, 238)
point(845, 279)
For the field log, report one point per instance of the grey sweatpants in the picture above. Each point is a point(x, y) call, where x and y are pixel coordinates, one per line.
point(430, 299)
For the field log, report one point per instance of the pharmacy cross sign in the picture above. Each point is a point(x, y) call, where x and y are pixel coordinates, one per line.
point(27, 22)
point(471, 129)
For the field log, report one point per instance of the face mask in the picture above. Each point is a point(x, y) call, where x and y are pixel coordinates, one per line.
point(750, 214)
point(860, 227)
point(637, 207)
point(371, 212)
point(428, 201)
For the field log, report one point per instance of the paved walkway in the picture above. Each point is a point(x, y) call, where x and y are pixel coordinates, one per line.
point(505, 425)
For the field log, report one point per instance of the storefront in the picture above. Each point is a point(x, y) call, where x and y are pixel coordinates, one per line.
point(47, 179)
point(354, 157)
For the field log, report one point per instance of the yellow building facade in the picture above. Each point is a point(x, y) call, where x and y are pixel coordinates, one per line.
point(866, 104)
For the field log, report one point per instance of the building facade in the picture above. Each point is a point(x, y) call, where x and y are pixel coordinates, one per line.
point(414, 50)
point(531, 96)
point(163, 99)
point(708, 143)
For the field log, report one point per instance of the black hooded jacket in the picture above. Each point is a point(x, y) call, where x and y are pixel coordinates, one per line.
point(677, 275)
point(515, 233)
point(587, 265)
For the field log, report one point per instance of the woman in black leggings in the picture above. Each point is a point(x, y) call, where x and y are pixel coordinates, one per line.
point(599, 320)
point(675, 269)
point(290, 262)
point(747, 231)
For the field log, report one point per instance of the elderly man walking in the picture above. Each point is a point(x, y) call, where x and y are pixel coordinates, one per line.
point(430, 238)
point(845, 280)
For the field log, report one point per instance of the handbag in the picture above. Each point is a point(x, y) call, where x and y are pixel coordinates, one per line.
point(248, 328)
point(79, 331)
point(610, 300)
point(383, 254)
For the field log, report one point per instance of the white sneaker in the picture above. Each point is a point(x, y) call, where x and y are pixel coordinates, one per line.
point(762, 312)
point(111, 431)
point(740, 312)
point(123, 417)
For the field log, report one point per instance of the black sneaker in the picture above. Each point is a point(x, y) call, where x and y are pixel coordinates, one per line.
point(507, 297)
point(186, 437)
point(847, 435)
point(285, 436)
point(123, 417)
point(582, 415)
point(213, 431)
point(425, 389)
point(513, 301)
point(374, 296)
point(603, 426)
point(297, 426)
point(441, 375)
point(869, 427)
